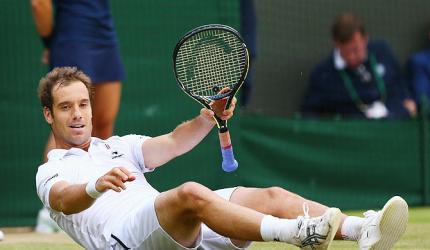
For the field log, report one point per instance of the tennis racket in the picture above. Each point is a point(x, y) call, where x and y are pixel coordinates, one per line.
point(211, 63)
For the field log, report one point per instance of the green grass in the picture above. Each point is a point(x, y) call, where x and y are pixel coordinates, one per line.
point(417, 236)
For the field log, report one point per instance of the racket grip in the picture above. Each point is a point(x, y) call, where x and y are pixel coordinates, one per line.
point(229, 164)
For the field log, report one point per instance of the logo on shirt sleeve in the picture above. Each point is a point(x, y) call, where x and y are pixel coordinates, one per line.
point(50, 178)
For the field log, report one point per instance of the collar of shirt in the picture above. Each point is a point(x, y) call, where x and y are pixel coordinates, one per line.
point(58, 154)
point(339, 62)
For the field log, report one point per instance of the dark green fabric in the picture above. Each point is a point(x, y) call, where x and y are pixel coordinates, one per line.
point(350, 164)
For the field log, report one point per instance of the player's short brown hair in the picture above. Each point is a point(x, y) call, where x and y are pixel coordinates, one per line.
point(61, 76)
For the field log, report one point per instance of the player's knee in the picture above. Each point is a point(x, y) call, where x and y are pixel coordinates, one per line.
point(277, 193)
point(191, 194)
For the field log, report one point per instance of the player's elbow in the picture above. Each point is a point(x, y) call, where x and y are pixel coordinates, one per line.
point(65, 210)
point(64, 200)
point(60, 206)
point(69, 208)
point(68, 212)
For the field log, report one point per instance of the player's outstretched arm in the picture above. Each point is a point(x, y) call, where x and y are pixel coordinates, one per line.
point(161, 149)
point(74, 198)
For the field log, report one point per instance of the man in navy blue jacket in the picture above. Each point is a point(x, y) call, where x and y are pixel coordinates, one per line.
point(359, 79)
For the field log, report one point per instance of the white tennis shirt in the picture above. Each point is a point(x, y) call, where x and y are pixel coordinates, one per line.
point(93, 227)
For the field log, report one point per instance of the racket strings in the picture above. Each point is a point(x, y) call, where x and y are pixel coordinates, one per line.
point(217, 68)
point(213, 74)
point(210, 61)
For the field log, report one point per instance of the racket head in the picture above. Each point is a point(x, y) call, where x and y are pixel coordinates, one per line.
point(208, 59)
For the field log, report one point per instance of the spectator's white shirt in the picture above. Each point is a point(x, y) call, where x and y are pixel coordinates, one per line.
point(92, 227)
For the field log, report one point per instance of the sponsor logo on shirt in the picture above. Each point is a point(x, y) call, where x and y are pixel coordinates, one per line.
point(115, 154)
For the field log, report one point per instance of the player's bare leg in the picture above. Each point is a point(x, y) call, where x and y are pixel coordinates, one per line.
point(105, 105)
point(275, 201)
point(181, 211)
point(384, 227)
point(278, 202)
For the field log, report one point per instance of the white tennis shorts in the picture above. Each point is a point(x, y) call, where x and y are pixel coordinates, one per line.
point(142, 231)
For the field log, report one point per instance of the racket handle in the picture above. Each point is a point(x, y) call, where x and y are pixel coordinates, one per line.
point(229, 164)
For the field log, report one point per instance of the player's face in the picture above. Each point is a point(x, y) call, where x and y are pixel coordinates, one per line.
point(354, 52)
point(71, 115)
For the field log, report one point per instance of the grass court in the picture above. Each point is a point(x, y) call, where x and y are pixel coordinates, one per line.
point(417, 237)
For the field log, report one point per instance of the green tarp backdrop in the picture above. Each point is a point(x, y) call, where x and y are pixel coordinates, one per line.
point(350, 164)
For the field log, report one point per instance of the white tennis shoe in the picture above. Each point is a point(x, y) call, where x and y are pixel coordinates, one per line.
point(384, 228)
point(317, 232)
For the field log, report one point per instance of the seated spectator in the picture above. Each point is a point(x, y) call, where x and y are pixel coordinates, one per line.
point(359, 79)
point(419, 69)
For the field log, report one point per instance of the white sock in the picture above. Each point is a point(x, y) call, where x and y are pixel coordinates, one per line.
point(351, 228)
point(276, 229)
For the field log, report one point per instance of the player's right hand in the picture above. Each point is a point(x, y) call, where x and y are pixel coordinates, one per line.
point(114, 179)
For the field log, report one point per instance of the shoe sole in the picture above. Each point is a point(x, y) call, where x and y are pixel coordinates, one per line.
point(393, 223)
point(335, 215)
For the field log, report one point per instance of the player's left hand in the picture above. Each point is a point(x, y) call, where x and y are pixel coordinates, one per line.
point(218, 107)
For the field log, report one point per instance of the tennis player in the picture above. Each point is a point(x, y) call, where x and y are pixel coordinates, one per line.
point(97, 192)
point(82, 34)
